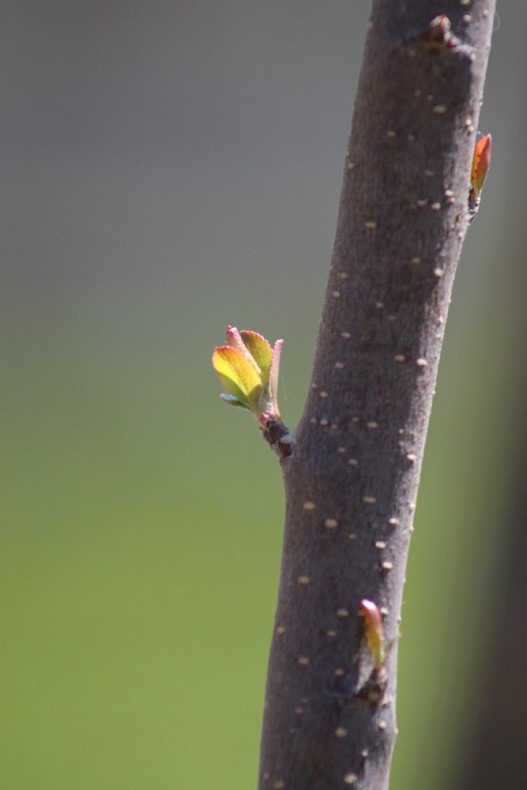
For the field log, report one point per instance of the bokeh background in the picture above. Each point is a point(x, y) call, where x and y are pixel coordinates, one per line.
point(168, 168)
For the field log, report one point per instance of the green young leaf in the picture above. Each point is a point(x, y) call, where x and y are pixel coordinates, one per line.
point(239, 375)
point(260, 350)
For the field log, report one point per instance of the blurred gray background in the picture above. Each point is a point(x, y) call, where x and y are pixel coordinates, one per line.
point(169, 168)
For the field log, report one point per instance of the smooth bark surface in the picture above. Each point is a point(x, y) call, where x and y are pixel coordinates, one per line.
point(351, 481)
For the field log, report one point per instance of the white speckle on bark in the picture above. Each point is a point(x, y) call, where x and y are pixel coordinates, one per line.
point(331, 523)
point(369, 500)
point(308, 505)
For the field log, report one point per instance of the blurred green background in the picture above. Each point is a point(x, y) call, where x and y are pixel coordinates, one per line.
point(168, 168)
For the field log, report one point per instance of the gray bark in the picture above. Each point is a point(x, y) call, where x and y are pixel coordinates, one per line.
point(351, 480)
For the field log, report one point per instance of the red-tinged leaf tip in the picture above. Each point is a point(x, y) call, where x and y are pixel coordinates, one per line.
point(374, 630)
point(480, 163)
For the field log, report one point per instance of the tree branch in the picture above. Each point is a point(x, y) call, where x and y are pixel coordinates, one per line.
point(351, 481)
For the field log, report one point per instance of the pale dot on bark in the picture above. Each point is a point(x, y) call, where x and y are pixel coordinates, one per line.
point(341, 732)
point(279, 785)
point(379, 305)
point(380, 544)
point(387, 566)
point(415, 260)
point(335, 294)
point(411, 457)
point(370, 224)
point(439, 272)
point(339, 365)
point(372, 425)
point(391, 134)
point(303, 580)
point(351, 535)
point(439, 109)
point(429, 173)
point(343, 613)
point(303, 661)
point(324, 422)
point(421, 203)
point(323, 394)
point(341, 450)
point(467, 18)
point(331, 523)
point(331, 633)
point(393, 521)
point(281, 629)
point(353, 462)
point(350, 779)
point(399, 358)
point(339, 672)
point(369, 500)
point(384, 610)
point(309, 505)
point(421, 362)
point(436, 206)
point(345, 335)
